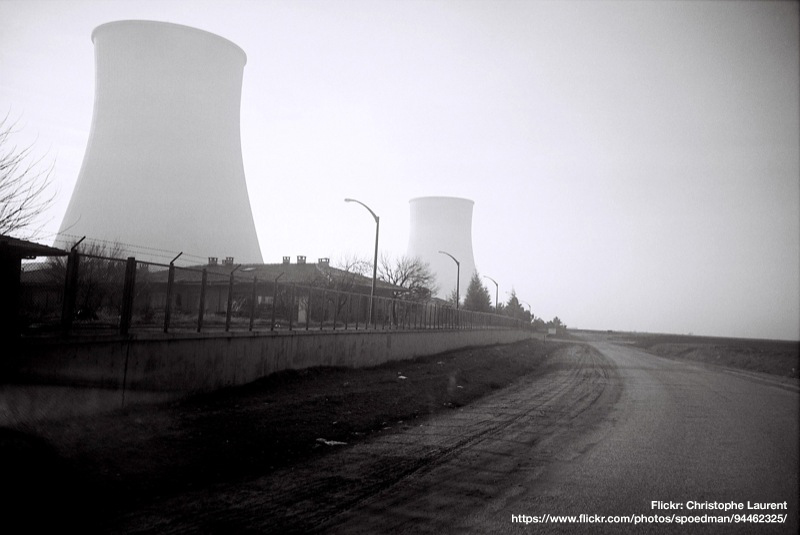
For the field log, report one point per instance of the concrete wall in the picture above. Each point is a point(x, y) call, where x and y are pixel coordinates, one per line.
point(193, 363)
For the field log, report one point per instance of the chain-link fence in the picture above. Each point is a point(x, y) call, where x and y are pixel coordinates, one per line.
point(41, 298)
point(85, 293)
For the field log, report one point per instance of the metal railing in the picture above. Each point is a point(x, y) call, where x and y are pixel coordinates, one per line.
point(85, 294)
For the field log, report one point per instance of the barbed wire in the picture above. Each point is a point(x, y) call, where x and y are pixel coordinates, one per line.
point(151, 251)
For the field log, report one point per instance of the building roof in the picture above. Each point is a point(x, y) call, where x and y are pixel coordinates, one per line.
point(300, 273)
point(26, 249)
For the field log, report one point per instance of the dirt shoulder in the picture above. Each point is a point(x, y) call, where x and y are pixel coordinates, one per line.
point(86, 471)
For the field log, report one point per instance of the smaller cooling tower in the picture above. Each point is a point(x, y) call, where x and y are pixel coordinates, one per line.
point(443, 224)
point(163, 165)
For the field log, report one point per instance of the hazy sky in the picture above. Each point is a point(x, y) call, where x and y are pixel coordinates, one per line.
point(634, 165)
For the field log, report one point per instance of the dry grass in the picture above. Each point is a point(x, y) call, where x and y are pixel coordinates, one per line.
point(776, 357)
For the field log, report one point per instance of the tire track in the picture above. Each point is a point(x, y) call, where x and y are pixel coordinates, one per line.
point(423, 473)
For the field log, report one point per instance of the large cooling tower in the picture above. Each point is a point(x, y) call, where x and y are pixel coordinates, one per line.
point(443, 224)
point(163, 165)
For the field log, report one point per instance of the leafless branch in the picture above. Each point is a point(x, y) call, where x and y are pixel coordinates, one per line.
point(24, 184)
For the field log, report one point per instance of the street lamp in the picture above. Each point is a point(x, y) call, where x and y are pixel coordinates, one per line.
point(458, 276)
point(375, 261)
point(496, 291)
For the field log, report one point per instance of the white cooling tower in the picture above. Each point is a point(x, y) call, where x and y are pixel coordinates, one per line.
point(443, 224)
point(163, 165)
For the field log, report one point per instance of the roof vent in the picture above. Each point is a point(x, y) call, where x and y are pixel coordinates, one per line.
point(212, 260)
point(287, 259)
point(228, 261)
point(301, 259)
point(324, 261)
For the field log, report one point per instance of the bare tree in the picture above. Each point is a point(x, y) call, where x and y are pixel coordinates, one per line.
point(410, 273)
point(351, 268)
point(342, 278)
point(24, 184)
point(101, 272)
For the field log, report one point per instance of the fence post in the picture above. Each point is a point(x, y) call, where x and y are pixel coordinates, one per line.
point(202, 300)
point(338, 295)
point(168, 304)
point(291, 305)
point(322, 310)
point(358, 309)
point(308, 307)
point(230, 300)
point(127, 295)
point(229, 304)
point(253, 303)
point(275, 305)
point(349, 299)
point(70, 290)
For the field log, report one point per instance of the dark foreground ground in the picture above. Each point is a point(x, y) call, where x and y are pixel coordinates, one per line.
point(86, 471)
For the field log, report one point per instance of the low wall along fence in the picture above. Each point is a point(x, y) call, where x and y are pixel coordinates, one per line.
point(127, 325)
point(89, 294)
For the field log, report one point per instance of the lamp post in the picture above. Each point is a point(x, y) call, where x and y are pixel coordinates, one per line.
point(496, 291)
point(375, 261)
point(458, 276)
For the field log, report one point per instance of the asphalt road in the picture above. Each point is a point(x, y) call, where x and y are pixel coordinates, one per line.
point(683, 433)
point(605, 430)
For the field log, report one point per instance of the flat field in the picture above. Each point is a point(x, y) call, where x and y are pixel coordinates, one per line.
point(774, 357)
